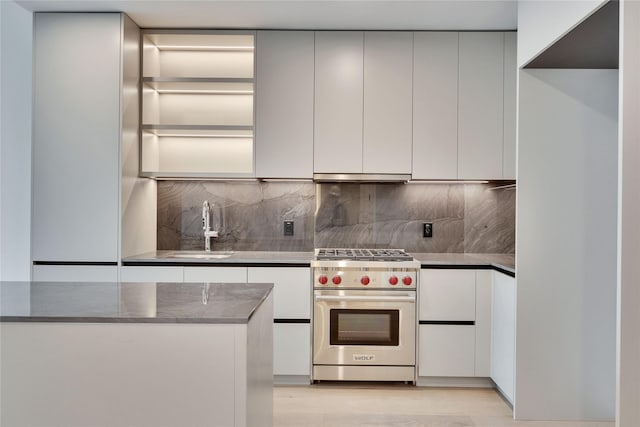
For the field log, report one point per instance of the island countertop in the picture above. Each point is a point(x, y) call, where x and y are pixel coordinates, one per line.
point(116, 302)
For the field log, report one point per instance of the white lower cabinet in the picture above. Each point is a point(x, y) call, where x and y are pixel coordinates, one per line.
point(455, 323)
point(291, 290)
point(74, 273)
point(483, 323)
point(291, 349)
point(291, 303)
point(447, 295)
point(503, 333)
point(215, 274)
point(151, 274)
point(447, 351)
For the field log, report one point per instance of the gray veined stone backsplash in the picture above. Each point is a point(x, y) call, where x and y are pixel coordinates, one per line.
point(469, 218)
point(249, 216)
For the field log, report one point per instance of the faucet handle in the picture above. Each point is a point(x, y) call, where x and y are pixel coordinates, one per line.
point(206, 211)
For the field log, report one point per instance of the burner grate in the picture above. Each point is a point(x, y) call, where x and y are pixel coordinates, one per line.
point(363, 254)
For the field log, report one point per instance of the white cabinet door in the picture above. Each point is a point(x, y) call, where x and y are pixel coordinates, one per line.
point(503, 333)
point(74, 273)
point(387, 135)
point(284, 104)
point(480, 114)
point(483, 323)
point(338, 102)
point(76, 134)
point(215, 274)
point(435, 105)
point(291, 349)
point(446, 351)
point(447, 295)
point(151, 274)
point(510, 75)
point(291, 290)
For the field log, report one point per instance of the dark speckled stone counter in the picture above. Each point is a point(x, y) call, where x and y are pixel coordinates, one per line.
point(250, 258)
point(501, 262)
point(130, 302)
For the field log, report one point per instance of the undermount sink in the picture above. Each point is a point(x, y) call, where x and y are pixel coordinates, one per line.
point(200, 255)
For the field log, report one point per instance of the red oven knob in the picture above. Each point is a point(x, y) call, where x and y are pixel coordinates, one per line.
point(407, 280)
point(336, 280)
point(365, 280)
point(323, 279)
point(393, 280)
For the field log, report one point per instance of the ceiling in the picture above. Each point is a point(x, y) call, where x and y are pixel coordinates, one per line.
point(301, 14)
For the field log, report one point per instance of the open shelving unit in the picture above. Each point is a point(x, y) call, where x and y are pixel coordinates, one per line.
point(197, 104)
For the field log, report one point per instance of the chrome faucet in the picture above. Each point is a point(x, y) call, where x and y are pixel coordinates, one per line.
point(206, 226)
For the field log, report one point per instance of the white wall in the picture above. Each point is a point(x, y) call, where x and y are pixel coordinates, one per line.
point(543, 22)
point(628, 381)
point(15, 140)
point(566, 245)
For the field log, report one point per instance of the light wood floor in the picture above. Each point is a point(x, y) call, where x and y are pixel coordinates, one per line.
point(378, 405)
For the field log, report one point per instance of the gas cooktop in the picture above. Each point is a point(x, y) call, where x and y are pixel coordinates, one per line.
point(339, 254)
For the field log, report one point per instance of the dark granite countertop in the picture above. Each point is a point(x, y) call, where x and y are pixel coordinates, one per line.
point(504, 262)
point(302, 259)
point(113, 302)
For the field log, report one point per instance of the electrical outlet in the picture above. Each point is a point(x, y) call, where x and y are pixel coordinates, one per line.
point(288, 228)
point(427, 229)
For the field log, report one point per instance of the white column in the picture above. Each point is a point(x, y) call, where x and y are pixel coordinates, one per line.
point(566, 245)
point(628, 375)
point(16, 36)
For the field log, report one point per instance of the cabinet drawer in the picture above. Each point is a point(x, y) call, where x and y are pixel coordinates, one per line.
point(446, 351)
point(151, 274)
point(75, 273)
point(447, 295)
point(215, 274)
point(291, 290)
point(291, 349)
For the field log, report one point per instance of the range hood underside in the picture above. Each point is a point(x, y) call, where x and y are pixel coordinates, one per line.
point(360, 177)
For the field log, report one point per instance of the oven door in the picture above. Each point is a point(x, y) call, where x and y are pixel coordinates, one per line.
point(373, 328)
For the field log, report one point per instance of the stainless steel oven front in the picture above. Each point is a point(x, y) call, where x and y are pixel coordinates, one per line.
point(364, 334)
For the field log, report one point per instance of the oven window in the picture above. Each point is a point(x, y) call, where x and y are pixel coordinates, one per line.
point(364, 327)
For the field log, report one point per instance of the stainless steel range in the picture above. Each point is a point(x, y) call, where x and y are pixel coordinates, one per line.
point(364, 315)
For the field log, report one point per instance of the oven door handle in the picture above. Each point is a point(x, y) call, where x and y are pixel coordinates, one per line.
point(407, 298)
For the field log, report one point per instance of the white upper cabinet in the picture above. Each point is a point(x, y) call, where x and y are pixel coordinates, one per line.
point(338, 102)
point(388, 58)
point(435, 105)
point(76, 136)
point(510, 73)
point(284, 104)
point(480, 106)
point(363, 91)
point(464, 105)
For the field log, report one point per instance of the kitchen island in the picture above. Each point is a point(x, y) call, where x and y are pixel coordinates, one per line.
point(136, 354)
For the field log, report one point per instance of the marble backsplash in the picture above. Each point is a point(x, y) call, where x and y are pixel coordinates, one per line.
point(467, 218)
point(248, 215)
